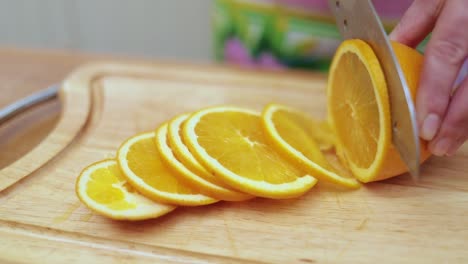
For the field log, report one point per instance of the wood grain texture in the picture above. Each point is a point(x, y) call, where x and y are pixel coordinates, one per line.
point(394, 221)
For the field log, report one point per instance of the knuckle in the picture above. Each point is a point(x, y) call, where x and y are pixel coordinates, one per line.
point(437, 101)
point(433, 7)
point(459, 120)
point(449, 50)
point(449, 130)
point(455, 125)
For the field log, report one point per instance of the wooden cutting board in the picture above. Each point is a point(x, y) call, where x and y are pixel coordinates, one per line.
point(41, 219)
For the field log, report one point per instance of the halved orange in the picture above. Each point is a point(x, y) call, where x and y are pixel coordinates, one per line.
point(359, 110)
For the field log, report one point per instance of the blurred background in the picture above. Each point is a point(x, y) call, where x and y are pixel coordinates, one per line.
point(263, 33)
point(174, 29)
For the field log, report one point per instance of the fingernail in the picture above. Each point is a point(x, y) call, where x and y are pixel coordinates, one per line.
point(441, 147)
point(430, 126)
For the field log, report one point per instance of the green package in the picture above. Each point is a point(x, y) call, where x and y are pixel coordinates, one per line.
point(223, 25)
point(304, 41)
point(252, 24)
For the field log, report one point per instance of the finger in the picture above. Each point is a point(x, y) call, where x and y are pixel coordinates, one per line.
point(444, 55)
point(454, 129)
point(417, 22)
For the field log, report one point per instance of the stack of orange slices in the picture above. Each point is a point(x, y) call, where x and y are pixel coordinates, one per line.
point(232, 153)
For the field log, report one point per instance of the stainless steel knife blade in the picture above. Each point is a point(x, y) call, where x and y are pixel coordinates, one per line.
point(358, 19)
point(23, 104)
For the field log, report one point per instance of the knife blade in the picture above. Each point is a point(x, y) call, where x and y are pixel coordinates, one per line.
point(357, 19)
point(23, 104)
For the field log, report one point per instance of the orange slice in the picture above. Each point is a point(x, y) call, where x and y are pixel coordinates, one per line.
point(230, 143)
point(103, 188)
point(179, 158)
point(292, 134)
point(144, 168)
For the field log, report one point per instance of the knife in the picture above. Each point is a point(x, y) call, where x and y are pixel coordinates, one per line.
point(24, 104)
point(357, 19)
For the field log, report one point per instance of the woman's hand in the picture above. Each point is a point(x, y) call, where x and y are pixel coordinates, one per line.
point(442, 116)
